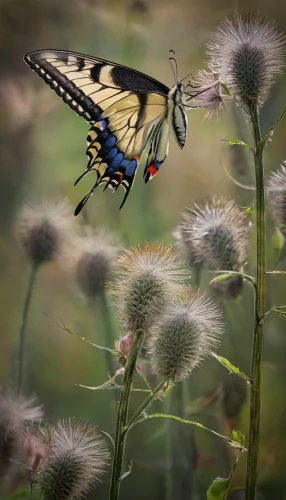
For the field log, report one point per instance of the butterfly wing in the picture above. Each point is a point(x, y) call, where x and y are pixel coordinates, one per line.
point(125, 108)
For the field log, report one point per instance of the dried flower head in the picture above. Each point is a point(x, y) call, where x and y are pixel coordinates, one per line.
point(91, 257)
point(276, 193)
point(14, 412)
point(42, 229)
point(209, 91)
point(36, 449)
point(77, 458)
point(185, 334)
point(146, 279)
point(248, 54)
point(219, 234)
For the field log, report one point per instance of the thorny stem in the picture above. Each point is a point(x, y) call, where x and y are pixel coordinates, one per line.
point(258, 327)
point(122, 416)
point(21, 343)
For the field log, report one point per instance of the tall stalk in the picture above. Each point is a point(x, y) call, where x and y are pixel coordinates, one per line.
point(259, 309)
point(123, 416)
point(22, 331)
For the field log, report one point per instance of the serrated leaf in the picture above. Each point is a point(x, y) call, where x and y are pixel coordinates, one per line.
point(231, 141)
point(125, 474)
point(233, 369)
point(218, 489)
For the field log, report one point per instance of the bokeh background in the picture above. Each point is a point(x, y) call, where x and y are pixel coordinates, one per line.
point(42, 152)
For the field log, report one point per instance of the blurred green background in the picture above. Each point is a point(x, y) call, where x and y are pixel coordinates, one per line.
point(42, 153)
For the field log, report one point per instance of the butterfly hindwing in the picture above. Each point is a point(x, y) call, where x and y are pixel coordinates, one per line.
point(127, 111)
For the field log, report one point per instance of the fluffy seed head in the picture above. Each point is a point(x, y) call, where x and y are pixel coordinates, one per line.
point(42, 229)
point(76, 460)
point(14, 412)
point(218, 232)
point(248, 54)
point(91, 258)
point(276, 191)
point(211, 97)
point(185, 334)
point(146, 279)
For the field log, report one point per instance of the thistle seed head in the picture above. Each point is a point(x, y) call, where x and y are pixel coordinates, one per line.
point(219, 234)
point(77, 458)
point(210, 97)
point(146, 279)
point(276, 193)
point(14, 412)
point(185, 334)
point(42, 230)
point(248, 53)
point(91, 259)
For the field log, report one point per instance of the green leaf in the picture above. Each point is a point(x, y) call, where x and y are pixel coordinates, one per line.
point(238, 437)
point(218, 489)
point(282, 313)
point(65, 329)
point(109, 437)
point(233, 369)
point(249, 210)
point(271, 130)
point(191, 422)
point(231, 141)
point(223, 275)
point(220, 277)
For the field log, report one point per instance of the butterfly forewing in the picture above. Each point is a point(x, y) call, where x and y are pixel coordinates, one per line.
point(125, 108)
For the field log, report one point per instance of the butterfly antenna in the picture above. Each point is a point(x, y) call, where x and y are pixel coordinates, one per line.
point(174, 65)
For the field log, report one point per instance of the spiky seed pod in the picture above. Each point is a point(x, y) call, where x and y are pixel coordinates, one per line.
point(276, 193)
point(91, 258)
point(234, 396)
point(219, 234)
point(185, 334)
point(146, 279)
point(248, 53)
point(14, 412)
point(42, 229)
point(76, 460)
point(210, 96)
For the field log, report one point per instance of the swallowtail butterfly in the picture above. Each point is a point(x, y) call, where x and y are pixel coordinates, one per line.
point(130, 113)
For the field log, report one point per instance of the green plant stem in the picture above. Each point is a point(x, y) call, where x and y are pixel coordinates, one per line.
point(22, 331)
point(258, 328)
point(123, 416)
point(146, 403)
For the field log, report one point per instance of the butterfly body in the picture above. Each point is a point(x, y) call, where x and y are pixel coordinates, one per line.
point(130, 114)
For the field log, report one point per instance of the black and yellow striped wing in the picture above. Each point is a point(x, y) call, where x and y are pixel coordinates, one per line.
point(127, 111)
